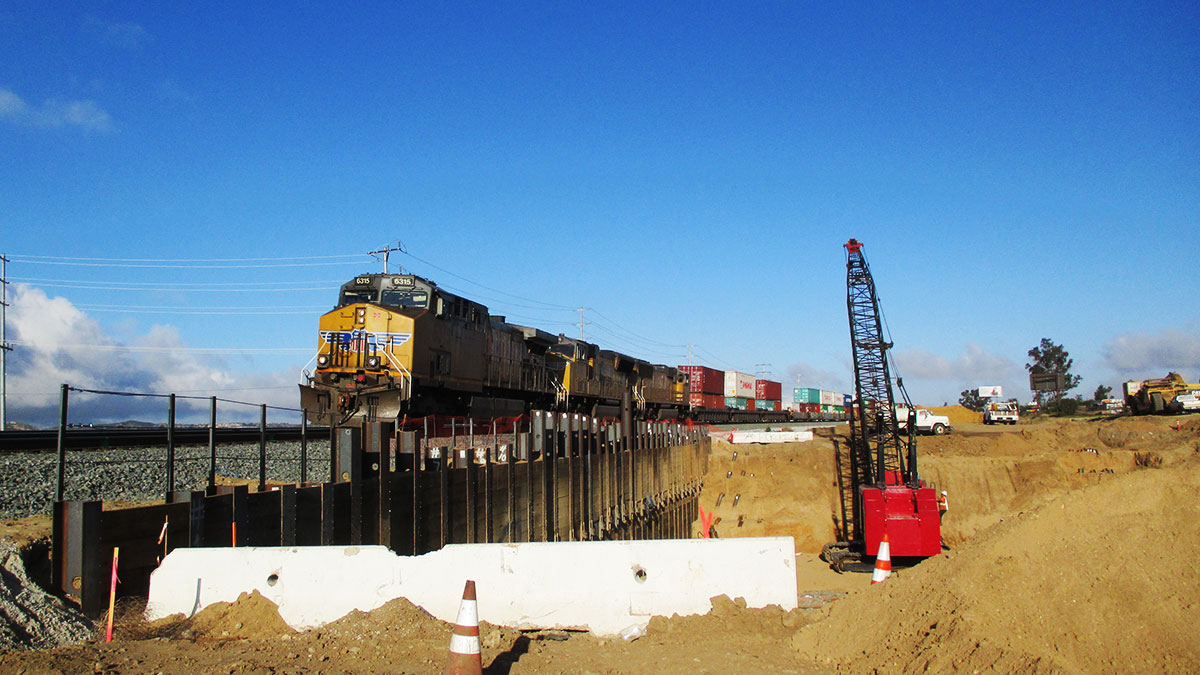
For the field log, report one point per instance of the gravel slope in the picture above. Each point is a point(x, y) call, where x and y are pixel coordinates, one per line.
point(27, 480)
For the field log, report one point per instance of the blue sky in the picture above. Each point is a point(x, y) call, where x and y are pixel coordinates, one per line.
point(687, 171)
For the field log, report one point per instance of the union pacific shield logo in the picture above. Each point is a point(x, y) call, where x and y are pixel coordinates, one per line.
point(356, 339)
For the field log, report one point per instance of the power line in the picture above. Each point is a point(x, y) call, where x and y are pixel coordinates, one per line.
point(494, 290)
point(109, 286)
point(198, 312)
point(636, 335)
point(168, 308)
point(178, 266)
point(148, 348)
point(36, 258)
point(199, 284)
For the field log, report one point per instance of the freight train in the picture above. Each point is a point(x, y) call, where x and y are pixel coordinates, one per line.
point(398, 344)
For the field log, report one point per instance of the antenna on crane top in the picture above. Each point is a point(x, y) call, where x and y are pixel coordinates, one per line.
point(386, 253)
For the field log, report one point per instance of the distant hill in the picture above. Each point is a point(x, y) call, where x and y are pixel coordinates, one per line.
point(135, 424)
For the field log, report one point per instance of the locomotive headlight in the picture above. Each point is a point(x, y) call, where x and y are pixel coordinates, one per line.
point(373, 362)
point(323, 360)
point(361, 315)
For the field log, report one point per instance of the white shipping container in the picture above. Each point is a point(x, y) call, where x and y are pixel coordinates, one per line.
point(738, 384)
point(831, 398)
point(791, 405)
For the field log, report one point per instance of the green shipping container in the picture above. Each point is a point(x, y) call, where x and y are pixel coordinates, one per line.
point(737, 403)
point(806, 395)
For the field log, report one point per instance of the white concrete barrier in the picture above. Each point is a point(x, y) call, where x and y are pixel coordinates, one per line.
point(603, 587)
point(770, 436)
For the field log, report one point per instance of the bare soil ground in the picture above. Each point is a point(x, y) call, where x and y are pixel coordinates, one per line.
point(1073, 550)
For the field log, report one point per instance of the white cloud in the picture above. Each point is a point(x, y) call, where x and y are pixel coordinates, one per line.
point(974, 365)
point(118, 33)
point(1152, 355)
point(86, 115)
point(804, 375)
point(57, 344)
point(933, 379)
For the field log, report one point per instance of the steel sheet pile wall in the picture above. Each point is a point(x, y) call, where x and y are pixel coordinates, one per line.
point(569, 478)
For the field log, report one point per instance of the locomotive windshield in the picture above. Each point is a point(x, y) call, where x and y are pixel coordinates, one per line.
point(398, 291)
point(405, 298)
point(353, 295)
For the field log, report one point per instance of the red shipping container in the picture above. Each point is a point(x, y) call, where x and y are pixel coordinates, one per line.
point(705, 380)
point(708, 401)
point(768, 390)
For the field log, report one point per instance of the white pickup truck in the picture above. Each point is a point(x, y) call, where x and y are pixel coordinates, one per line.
point(926, 423)
point(1001, 413)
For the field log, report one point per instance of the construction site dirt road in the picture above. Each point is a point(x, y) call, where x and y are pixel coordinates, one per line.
point(1072, 548)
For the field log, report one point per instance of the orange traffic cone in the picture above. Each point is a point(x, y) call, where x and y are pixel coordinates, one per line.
point(883, 561)
point(465, 658)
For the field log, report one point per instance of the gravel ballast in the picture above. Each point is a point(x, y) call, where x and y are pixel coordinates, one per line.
point(30, 618)
point(28, 480)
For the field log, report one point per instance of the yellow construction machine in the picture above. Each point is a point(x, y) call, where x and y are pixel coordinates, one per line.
point(1170, 394)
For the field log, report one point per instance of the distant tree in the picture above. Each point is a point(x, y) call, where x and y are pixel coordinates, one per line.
point(1048, 357)
point(1102, 393)
point(971, 400)
point(1064, 407)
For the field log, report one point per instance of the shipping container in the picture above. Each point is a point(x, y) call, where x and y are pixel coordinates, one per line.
point(830, 398)
point(738, 403)
point(806, 395)
point(705, 380)
point(767, 405)
point(768, 390)
point(791, 406)
point(738, 385)
point(707, 401)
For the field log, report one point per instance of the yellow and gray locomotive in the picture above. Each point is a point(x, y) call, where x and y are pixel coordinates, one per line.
point(397, 344)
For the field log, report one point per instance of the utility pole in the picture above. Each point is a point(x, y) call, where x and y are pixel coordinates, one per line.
point(689, 355)
point(762, 370)
point(4, 346)
point(386, 253)
point(582, 323)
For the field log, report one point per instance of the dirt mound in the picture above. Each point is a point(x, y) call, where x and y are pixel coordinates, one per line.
point(958, 414)
point(772, 490)
point(250, 616)
point(994, 473)
point(1090, 582)
point(30, 618)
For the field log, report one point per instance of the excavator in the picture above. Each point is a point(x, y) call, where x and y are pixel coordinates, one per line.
point(882, 491)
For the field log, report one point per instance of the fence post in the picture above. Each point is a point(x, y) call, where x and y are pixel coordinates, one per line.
point(170, 447)
point(262, 448)
point(62, 443)
point(212, 444)
point(303, 446)
point(333, 475)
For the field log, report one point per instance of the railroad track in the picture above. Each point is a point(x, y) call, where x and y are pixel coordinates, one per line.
point(81, 438)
